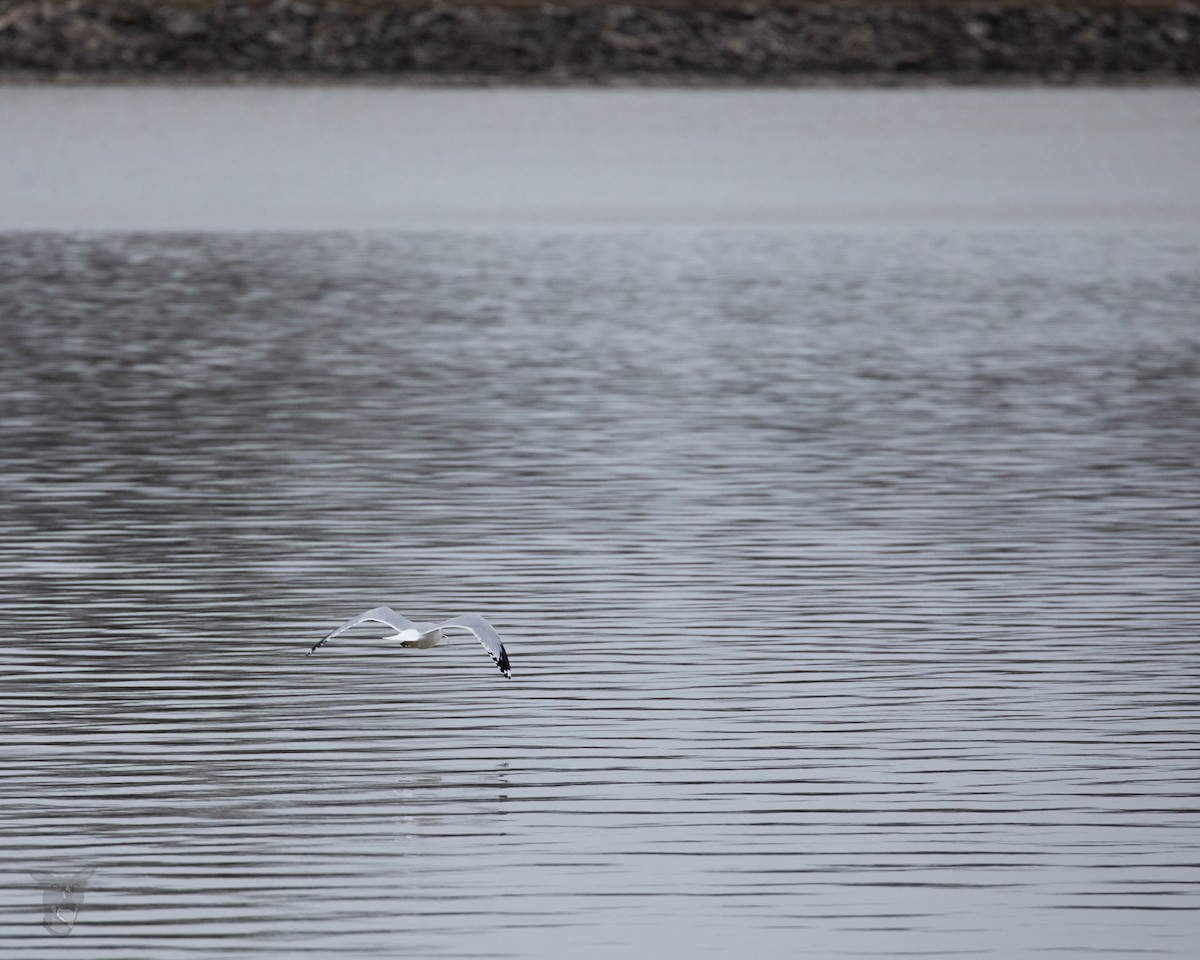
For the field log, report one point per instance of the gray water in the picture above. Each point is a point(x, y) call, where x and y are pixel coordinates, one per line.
point(348, 157)
point(849, 581)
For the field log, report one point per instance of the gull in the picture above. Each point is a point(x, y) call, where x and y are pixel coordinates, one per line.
point(425, 635)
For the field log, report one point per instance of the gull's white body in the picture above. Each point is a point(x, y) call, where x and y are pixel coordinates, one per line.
point(425, 635)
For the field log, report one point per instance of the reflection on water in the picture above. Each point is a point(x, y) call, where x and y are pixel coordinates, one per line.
point(62, 898)
point(852, 578)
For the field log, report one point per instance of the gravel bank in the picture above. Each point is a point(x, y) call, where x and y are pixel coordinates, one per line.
point(585, 43)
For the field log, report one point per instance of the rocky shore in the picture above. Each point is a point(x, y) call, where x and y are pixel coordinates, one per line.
point(574, 42)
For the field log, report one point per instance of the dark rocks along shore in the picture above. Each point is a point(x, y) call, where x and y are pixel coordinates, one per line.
point(581, 42)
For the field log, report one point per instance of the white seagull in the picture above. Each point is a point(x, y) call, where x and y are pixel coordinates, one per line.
point(425, 635)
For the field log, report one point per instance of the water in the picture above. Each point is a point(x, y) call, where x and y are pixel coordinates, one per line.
point(258, 158)
point(849, 575)
point(849, 580)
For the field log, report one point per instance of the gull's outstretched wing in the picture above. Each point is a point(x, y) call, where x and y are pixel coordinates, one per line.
point(474, 623)
point(378, 615)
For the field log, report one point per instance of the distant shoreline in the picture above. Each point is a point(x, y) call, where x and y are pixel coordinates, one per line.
point(714, 43)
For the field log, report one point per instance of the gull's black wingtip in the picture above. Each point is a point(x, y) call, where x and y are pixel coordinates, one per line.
point(502, 663)
point(315, 647)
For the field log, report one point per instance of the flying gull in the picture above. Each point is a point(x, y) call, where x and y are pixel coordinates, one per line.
point(425, 635)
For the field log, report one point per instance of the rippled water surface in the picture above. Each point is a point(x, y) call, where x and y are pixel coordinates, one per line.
point(849, 580)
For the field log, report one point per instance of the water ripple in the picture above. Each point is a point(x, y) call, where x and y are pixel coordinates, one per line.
point(849, 583)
